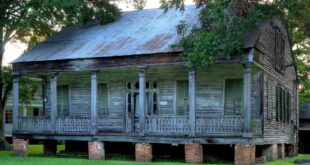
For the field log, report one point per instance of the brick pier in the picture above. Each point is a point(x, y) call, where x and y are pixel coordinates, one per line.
point(144, 152)
point(96, 150)
point(193, 153)
point(20, 147)
point(245, 154)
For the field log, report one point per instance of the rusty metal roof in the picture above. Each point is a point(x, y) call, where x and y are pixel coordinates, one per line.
point(141, 32)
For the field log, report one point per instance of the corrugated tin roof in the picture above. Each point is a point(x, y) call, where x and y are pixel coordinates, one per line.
point(141, 32)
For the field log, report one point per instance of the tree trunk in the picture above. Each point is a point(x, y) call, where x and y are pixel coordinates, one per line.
point(4, 145)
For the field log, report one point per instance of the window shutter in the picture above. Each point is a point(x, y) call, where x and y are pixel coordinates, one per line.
point(278, 104)
point(63, 107)
point(102, 100)
point(269, 99)
point(182, 98)
point(233, 97)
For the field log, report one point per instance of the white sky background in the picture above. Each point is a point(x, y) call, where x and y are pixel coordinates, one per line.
point(14, 50)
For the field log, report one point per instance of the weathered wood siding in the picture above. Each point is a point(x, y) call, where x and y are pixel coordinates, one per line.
point(276, 131)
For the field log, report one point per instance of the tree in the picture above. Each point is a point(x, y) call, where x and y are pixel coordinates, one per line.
point(220, 31)
point(28, 88)
point(32, 21)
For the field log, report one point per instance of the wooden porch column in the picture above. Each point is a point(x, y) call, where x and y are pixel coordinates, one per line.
point(192, 101)
point(142, 98)
point(93, 105)
point(53, 100)
point(15, 101)
point(247, 97)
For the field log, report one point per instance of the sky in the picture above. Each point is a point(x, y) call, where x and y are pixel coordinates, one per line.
point(14, 50)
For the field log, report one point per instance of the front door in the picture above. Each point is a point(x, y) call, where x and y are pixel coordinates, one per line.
point(133, 107)
point(133, 112)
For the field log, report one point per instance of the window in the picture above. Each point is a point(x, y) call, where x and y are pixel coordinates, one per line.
point(182, 97)
point(63, 107)
point(102, 100)
point(233, 97)
point(132, 99)
point(8, 116)
point(279, 51)
point(269, 99)
point(283, 105)
point(35, 111)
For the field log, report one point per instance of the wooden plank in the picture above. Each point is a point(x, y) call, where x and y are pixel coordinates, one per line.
point(93, 105)
point(98, 63)
point(192, 101)
point(139, 139)
point(90, 64)
point(15, 101)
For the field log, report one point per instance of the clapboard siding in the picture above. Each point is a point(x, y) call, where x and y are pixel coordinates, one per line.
point(210, 88)
point(275, 131)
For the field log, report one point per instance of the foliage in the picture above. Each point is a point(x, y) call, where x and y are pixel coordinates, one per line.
point(220, 32)
point(32, 21)
point(137, 4)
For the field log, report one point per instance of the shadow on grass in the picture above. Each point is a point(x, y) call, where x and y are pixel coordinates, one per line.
point(36, 157)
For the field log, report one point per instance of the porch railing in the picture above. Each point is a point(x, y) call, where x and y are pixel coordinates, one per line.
point(225, 125)
point(73, 125)
point(217, 126)
point(167, 124)
point(33, 124)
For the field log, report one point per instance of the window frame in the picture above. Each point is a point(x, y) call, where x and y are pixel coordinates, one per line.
point(8, 116)
point(150, 91)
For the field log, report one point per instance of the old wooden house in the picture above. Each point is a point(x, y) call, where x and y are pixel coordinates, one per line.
point(122, 82)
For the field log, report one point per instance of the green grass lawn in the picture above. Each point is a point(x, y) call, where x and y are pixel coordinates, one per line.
point(36, 157)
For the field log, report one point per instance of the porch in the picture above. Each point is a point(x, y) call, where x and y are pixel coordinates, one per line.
point(140, 104)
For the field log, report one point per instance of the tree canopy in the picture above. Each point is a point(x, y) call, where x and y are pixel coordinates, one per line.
point(32, 21)
point(219, 33)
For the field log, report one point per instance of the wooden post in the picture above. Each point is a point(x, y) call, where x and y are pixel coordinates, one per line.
point(53, 100)
point(192, 101)
point(44, 94)
point(142, 98)
point(15, 101)
point(94, 93)
point(247, 97)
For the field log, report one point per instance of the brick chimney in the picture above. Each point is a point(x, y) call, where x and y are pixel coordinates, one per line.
point(238, 8)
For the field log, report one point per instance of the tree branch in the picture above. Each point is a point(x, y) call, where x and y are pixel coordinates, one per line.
point(6, 94)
